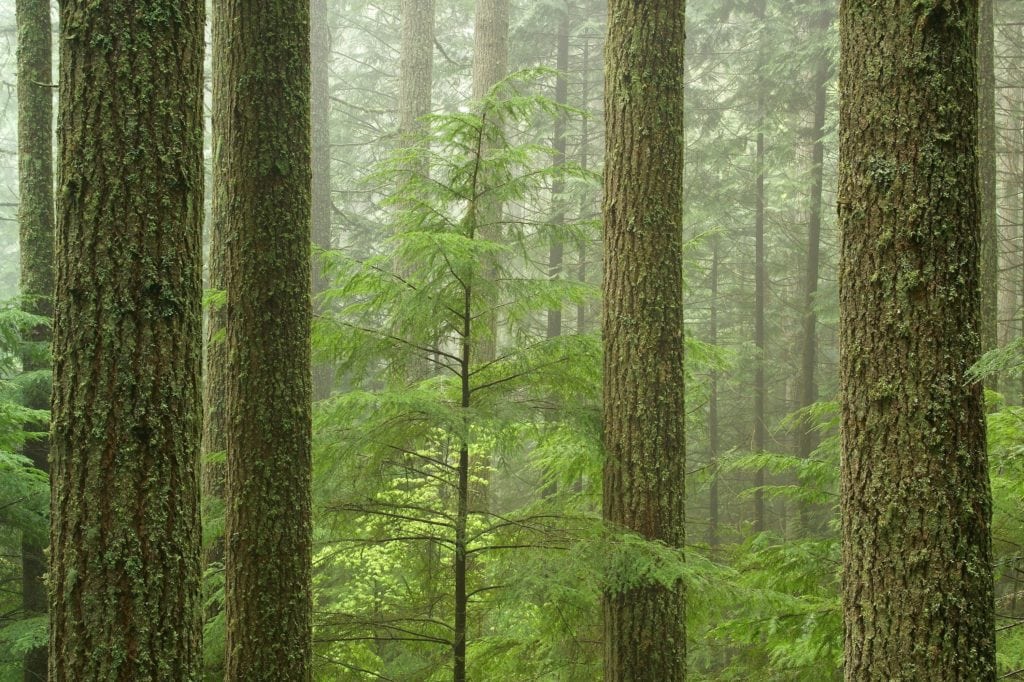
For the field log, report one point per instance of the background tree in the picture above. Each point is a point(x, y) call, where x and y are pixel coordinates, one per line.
point(35, 223)
point(321, 205)
point(124, 551)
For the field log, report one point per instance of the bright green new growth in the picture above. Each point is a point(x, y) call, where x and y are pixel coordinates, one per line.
point(408, 444)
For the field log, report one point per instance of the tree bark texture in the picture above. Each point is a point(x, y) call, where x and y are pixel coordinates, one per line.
point(490, 65)
point(644, 471)
point(915, 497)
point(124, 565)
point(262, 52)
point(35, 225)
point(416, 81)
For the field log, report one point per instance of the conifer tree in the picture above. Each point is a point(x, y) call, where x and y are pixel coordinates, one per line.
point(35, 224)
point(321, 207)
point(645, 631)
point(916, 503)
point(124, 563)
point(416, 68)
point(987, 175)
point(262, 53)
point(490, 65)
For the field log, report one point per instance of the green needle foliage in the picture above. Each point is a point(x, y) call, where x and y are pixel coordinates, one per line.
point(427, 428)
point(24, 490)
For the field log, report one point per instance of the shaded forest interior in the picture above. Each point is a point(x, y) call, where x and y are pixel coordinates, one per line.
point(492, 340)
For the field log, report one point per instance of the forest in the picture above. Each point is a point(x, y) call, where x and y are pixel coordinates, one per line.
point(511, 340)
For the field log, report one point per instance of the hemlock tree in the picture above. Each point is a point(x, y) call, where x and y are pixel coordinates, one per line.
point(35, 225)
point(915, 496)
point(644, 473)
point(261, 53)
point(124, 564)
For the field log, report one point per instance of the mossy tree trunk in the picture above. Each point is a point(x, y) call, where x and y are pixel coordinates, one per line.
point(124, 565)
point(35, 226)
point(262, 54)
point(644, 472)
point(916, 503)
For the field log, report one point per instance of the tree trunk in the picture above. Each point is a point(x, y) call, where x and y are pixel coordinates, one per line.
point(809, 351)
point(581, 268)
point(416, 80)
point(262, 53)
point(490, 65)
point(916, 504)
point(35, 225)
point(644, 472)
point(987, 176)
point(760, 287)
point(558, 143)
point(125, 556)
point(556, 252)
point(713, 435)
point(320, 159)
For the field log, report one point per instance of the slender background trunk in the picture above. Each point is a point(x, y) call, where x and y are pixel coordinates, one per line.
point(35, 226)
point(809, 346)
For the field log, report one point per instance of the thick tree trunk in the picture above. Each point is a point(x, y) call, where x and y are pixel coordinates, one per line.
point(124, 566)
point(35, 225)
point(262, 53)
point(916, 504)
point(644, 472)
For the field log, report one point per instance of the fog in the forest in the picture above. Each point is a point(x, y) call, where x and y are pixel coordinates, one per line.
point(463, 518)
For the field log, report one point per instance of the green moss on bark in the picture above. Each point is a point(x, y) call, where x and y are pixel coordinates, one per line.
point(916, 503)
point(644, 473)
point(262, 96)
point(124, 568)
point(35, 226)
